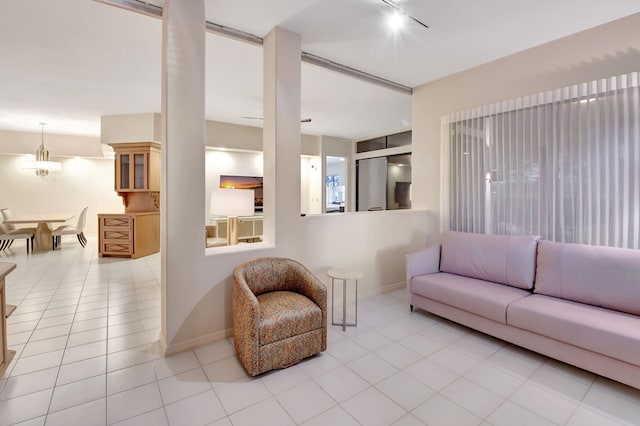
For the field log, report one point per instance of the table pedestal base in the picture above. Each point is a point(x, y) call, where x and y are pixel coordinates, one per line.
point(42, 239)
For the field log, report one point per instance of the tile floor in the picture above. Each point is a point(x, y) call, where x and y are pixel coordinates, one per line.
point(85, 328)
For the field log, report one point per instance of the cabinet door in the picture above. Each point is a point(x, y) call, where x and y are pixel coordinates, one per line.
point(132, 171)
point(245, 228)
point(139, 171)
point(123, 171)
point(153, 170)
point(257, 227)
point(137, 167)
point(221, 228)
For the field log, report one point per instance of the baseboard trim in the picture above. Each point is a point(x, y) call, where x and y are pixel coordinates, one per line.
point(380, 290)
point(196, 342)
point(162, 343)
point(395, 286)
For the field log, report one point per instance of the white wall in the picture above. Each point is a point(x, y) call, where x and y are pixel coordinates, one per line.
point(13, 142)
point(233, 136)
point(130, 128)
point(82, 182)
point(372, 242)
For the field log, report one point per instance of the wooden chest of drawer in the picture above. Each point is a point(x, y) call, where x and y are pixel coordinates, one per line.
point(116, 235)
point(116, 221)
point(129, 235)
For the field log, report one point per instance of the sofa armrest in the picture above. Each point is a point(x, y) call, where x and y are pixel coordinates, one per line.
point(422, 262)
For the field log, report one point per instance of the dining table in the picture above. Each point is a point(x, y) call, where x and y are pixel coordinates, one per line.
point(42, 239)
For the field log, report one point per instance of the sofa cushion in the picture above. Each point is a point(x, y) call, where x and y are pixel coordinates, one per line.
point(600, 330)
point(502, 259)
point(602, 276)
point(487, 299)
point(285, 314)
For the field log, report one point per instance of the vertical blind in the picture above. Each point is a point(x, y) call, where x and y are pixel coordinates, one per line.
point(563, 164)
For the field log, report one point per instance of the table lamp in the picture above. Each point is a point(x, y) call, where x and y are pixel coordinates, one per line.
point(232, 203)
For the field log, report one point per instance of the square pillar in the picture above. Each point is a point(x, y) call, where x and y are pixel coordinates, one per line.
point(182, 219)
point(281, 135)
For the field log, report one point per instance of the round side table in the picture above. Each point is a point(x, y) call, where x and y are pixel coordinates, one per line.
point(344, 276)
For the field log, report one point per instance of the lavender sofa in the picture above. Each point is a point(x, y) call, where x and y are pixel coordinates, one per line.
point(577, 303)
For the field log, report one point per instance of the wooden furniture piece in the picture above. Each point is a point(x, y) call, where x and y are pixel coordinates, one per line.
point(135, 233)
point(249, 228)
point(6, 355)
point(212, 240)
point(42, 239)
point(137, 174)
point(129, 235)
point(137, 167)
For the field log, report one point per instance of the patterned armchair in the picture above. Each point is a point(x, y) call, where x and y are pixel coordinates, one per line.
point(279, 314)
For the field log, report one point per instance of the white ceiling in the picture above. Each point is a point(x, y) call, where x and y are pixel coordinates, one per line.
point(67, 62)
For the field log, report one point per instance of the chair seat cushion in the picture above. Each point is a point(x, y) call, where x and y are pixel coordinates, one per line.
point(17, 234)
point(484, 298)
point(285, 314)
point(65, 230)
point(600, 330)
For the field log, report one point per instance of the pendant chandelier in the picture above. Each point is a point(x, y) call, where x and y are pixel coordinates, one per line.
point(42, 165)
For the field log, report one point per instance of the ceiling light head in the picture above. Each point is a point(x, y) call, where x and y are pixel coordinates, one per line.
point(396, 20)
point(41, 164)
point(400, 16)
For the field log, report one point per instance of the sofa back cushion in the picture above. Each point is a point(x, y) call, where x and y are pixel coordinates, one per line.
point(602, 276)
point(502, 259)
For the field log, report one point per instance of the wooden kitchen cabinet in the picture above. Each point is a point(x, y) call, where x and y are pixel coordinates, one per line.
point(136, 232)
point(137, 167)
point(129, 235)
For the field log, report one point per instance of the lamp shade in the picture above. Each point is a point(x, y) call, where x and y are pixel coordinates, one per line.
point(232, 202)
point(52, 166)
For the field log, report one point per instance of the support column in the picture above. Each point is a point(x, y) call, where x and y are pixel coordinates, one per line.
point(183, 168)
point(281, 135)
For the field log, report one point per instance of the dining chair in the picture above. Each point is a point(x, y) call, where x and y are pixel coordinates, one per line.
point(77, 230)
point(6, 215)
point(8, 236)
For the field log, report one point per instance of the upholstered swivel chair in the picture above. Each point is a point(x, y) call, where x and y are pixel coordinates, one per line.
point(77, 230)
point(279, 314)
